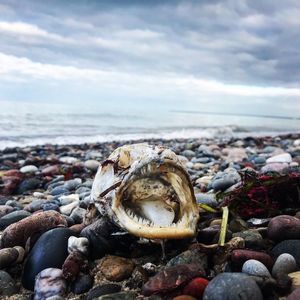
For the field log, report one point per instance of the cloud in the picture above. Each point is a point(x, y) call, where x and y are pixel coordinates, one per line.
point(11, 66)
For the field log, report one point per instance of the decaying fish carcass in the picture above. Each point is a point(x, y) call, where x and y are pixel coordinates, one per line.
point(146, 191)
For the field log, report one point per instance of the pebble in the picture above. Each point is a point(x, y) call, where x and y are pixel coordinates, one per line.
point(82, 284)
point(119, 296)
point(275, 168)
point(17, 234)
point(252, 238)
point(284, 227)
point(65, 200)
point(68, 160)
point(48, 283)
point(171, 278)
point(233, 286)
point(74, 263)
point(29, 169)
point(28, 185)
point(255, 268)
point(59, 190)
point(13, 217)
point(208, 199)
point(92, 164)
point(184, 297)
point(189, 257)
point(115, 268)
point(196, 287)
point(78, 214)
point(50, 251)
point(8, 256)
point(240, 256)
point(67, 209)
point(288, 246)
point(5, 209)
point(103, 289)
point(284, 264)
point(72, 184)
point(280, 158)
point(7, 284)
point(80, 244)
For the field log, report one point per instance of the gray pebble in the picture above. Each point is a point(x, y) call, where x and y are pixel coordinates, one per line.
point(256, 268)
point(7, 284)
point(284, 264)
point(78, 214)
point(232, 286)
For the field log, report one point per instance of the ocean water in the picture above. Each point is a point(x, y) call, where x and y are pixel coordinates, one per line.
point(24, 124)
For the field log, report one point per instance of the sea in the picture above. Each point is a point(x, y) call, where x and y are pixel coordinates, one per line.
point(24, 124)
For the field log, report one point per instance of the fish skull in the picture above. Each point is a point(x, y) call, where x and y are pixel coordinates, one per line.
point(146, 191)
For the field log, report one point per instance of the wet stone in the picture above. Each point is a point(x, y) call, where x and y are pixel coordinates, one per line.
point(7, 284)
point(28, 185)
point(104, 289)
point(119, 296)
point(48, 283)
point(189, 257)
point(172, 278)
point(60, 190)
point(255, 268)
point(116, 268)
point(284, 227)
point(232, 286)
point(288, 246)
point(17, 234)
point(252, 238)
point(82, 284)
point(13, 217)
point(50, 251)
point(284, 264)
point(240, 256)
point(7, 257)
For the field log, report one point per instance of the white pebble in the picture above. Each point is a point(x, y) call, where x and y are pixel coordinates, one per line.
point(80, 244)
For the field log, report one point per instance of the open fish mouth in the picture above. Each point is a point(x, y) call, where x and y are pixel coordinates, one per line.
point(147, 192)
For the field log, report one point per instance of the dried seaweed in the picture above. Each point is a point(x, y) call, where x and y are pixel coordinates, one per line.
point(263, 195)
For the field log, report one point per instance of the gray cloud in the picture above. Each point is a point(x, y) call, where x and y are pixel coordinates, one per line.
point(249, 43)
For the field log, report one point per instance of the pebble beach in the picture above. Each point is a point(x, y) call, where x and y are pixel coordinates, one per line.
point(49, 250)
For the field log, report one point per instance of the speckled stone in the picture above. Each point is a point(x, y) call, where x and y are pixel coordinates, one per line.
point(7, 284)
point(284, 264)
point(295, 295)
point(49, 282)
point(116, 268)
point(17, 234)
point(255, 268)
point(231, 286)
point(7, 257)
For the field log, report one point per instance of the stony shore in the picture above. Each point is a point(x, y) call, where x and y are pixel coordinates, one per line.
point(48, 250)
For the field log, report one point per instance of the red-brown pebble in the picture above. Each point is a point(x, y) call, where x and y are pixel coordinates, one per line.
point(196, 287)
point(284, 227)
point(77, 228)
point(239, 256)
point(74, 263)
point(171, 278)
point(17, 234)
point(184, 297)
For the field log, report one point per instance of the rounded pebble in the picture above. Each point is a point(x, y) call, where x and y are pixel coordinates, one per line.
point(232, 286)
point(284, 264)
point(79, 244)
point(255, 268)
point(7, 284)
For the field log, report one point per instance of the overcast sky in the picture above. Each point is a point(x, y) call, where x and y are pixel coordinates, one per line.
point(241, 56)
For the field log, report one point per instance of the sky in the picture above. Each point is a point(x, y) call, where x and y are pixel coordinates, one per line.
point(219, 56)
